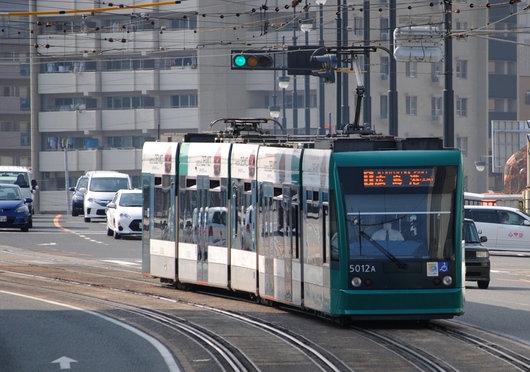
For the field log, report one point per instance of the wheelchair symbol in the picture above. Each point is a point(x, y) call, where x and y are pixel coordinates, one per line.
point(443, 267)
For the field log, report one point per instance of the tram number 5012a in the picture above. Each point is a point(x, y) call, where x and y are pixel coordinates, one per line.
point(362, 268)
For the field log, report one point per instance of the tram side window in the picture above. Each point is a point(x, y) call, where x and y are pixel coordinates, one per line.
point(243, 214)
point(161, 215)
point(333, 230)
point(217, 217)
point(313, 227)
point(187, 206)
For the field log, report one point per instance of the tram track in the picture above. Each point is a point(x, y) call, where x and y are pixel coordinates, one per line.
point(227, 355)
point(294, 335)
point(515, 359)
point(417, 357)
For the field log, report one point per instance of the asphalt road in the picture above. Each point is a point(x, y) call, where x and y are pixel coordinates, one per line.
point(39, 335)
point(504, 307)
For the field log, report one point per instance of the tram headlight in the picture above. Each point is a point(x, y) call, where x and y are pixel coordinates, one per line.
point(356, 281)
point(447, 280)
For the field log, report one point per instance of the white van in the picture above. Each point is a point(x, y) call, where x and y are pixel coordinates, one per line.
point(21, 176)
point(507, 229)
point(101, 187)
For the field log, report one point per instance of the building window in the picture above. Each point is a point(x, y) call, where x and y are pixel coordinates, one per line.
point(119, 103)
point(384, 27)
point(358, 26)
point(136, 142)
point(436, 71)
point(411, 69)
point(436, 107)
point(72, 104)
point(461, 107)
point(527, 97)
point(383, 106)
point(129, 64)
point(412, 105)
point(181, 62)
point(461, 69)
point(184, 101)
point(384, 65)
point(184, 23)
point(461, 143)
point(461, 26)
point(6, 126)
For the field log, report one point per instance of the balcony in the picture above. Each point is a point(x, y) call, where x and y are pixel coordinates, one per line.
point(14, 105)
point(14, 71)
point(144, 81)
point(129, 119)
point(78, 120)
point(178, 78)
point(15, 141)
point(68, 82)
point(129, 81)
point(70, 121)
point(116, 159)
point(74, 44)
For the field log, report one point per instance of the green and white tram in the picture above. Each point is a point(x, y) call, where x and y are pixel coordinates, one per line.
point(364, 226)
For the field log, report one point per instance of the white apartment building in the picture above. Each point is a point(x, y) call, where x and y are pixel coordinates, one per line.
point(106, 81)
point(15, 141)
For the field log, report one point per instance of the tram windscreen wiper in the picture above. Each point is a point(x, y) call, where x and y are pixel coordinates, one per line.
point(390, 256)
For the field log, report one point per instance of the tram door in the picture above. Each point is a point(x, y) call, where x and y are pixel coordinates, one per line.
point(276, 237)
point(265, 245)
point(288, 228)
point(203, 201)
point(146, 207)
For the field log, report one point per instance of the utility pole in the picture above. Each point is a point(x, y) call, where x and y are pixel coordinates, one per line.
point(392, 83)
point(448, 93)
point(34, 102)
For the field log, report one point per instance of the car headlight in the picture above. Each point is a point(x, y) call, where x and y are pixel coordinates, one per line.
point(483, 254)
point(22, 209)
point(78, 198)
point(124, 215)
point(90, 199)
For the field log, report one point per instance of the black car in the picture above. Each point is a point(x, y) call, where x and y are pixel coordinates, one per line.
point(477, 256)
point(78, 197)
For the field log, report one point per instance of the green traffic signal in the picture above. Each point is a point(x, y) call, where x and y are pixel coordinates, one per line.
point(252, 60)
point(240, 60)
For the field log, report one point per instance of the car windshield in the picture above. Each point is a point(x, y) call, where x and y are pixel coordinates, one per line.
point(108, 184)
point(15, 178)
point(470, 233)
point(131, 200)
point(10, 193)
point(82, 183)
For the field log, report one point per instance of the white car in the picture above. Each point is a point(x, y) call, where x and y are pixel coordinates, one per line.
point(101, 187)
point(507, 229)
point(124, 214)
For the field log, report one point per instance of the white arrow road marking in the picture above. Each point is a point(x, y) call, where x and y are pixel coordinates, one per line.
point(64, 362)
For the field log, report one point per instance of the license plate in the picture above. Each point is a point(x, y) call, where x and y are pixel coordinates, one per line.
point(3, 218)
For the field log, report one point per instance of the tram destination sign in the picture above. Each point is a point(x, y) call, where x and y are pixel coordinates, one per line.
point(398, 177)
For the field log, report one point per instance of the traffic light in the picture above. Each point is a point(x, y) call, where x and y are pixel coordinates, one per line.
point(252, 60)
point(329, 62)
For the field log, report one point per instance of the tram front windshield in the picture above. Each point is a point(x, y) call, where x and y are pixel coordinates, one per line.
point(399, 212)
